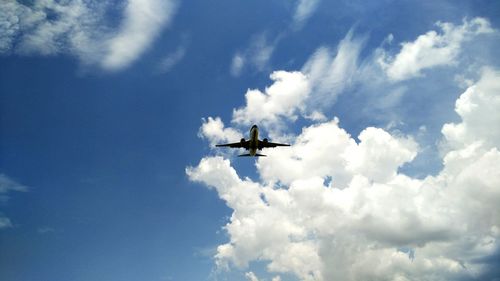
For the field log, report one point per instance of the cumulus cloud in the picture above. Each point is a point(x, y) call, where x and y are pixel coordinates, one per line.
point(335, 207)
point(280, 100)
point(478, 108)
point(213, 130)
point(432, 49)
point(78, 27)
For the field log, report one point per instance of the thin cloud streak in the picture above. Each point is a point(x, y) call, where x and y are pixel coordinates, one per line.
point(172, 59)
point(8, 185)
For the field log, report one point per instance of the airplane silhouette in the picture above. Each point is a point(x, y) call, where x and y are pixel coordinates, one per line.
point(253, 144)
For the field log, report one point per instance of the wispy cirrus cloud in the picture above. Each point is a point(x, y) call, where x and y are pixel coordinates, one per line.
point(172, 59)
point(142, 23)
point(4, 222)
point(259, 51)
point(304, 10)
point(8, 185)
point(256, 55)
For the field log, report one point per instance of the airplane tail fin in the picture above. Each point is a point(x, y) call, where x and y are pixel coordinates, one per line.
point(249, 155)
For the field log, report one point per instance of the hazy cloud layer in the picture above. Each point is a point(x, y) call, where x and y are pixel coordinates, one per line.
point(77, 27)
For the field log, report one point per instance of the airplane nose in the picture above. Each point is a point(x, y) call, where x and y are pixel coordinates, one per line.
point(254, 126)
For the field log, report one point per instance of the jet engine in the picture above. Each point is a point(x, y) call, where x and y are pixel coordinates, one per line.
point(243, 142)
point(263, 144)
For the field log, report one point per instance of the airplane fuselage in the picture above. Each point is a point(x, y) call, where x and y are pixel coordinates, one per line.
point(254, 140)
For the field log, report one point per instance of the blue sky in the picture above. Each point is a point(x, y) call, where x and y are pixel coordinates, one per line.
point(109, 111)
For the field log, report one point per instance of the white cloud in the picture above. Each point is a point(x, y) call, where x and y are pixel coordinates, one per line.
point(49, 27)
point(8, 185)
point(304, 10)
point(143, 21)
point(283, 99)
point(251, 276)
point(78, 27)
point(45, 230)
point(169, 61)
point(257, 54)
point(324, 76)
point(9, 23)
point(432, 49)
point(331, 208)
point(213, 130)
point(330, 72)
point(5, 222)
point(237, 64)
point(478, 108)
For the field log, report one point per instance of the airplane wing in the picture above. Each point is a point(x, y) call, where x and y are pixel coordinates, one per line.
point(244, 144)
point(266, 143)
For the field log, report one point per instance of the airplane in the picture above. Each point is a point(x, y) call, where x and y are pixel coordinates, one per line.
point(253, 144)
